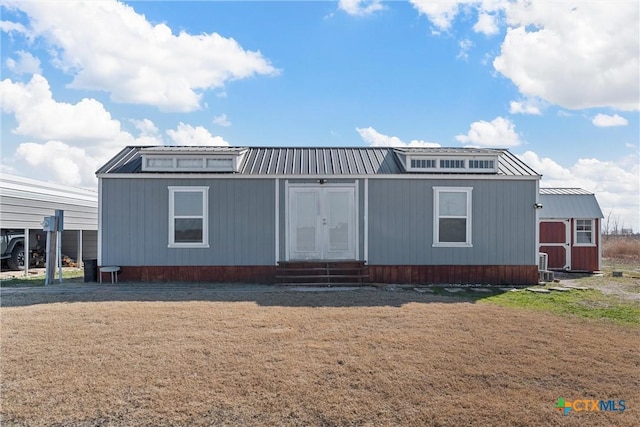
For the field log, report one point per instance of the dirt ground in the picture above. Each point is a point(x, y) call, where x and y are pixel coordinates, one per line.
point(215, 355)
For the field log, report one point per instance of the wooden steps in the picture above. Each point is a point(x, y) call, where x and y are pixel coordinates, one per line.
point(322, 273)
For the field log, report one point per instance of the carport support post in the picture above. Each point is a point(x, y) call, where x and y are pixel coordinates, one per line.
point(51, 258)
point(59, 228)
point(27, 252)
point(79, 261)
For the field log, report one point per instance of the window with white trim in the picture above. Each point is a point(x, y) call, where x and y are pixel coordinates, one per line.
point(452, 216)
point(188, 217)
point(584, 232)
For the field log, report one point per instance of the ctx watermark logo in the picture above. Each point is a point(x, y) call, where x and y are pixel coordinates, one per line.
point(590, 405)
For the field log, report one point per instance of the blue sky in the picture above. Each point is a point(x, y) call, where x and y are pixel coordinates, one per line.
point(555, 82)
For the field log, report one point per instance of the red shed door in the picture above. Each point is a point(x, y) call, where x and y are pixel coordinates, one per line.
point(555, 240)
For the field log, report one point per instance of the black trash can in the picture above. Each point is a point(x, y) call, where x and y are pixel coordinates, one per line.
point(90, 270)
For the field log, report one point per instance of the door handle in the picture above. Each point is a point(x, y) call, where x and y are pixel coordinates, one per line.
point(324, 221)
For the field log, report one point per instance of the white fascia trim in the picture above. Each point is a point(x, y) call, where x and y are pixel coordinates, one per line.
point(231, 175)
point(365, 219)
point(277, 224)
point(100, 208)
point(537, 229)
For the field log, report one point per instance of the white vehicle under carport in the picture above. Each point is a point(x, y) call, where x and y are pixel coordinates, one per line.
point(12, 245)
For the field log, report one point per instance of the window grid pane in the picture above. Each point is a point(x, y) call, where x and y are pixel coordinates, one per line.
point(481, 164)
point(188, 230)
point(189, 163)
point(451, 164)
point(453, 204)
point(188, 203)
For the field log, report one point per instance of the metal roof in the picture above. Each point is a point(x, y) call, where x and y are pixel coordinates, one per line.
point(24, 202)
point(562, 203)
point(316, 160)
point(565, 191)
point(195, 149)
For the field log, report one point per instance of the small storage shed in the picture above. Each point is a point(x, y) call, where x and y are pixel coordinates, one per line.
point(570, 229)
point(24, 203)
point(273, 214)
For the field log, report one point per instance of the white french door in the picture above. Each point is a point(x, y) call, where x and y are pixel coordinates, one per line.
point(322, 222)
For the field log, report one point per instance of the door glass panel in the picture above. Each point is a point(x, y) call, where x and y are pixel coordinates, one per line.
point(338, 220)
point(306, 209)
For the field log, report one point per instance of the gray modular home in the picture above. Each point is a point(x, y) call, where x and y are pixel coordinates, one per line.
point(266, 214)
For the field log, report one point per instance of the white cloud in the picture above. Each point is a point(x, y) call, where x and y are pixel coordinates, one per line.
point(85, 129)
point(440, 13)
point(65, 164)
point(615, 184)
point(376, 139)
point(604, 120)
point(360, 7)
point(574, 54)
point(107, 46)
point(465, 46)
point(39, 115)
point(222, 120)
point(25, 64)
point(188, 135)
point(146, 127)
point(486, 24)
point(527, 106)
point(499, 132)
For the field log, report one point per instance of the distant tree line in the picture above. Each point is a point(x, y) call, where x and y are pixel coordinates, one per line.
point(613, 226)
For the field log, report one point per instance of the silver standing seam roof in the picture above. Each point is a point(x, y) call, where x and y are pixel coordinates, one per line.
point(315, 160)
point(564, 203)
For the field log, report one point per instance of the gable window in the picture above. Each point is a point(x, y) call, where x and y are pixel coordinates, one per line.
point(188, 217)
point(452, 216)
point(584, 232)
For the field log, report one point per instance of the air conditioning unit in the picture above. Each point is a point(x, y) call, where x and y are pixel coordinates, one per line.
point(543, 261)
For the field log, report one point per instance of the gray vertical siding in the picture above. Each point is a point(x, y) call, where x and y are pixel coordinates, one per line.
point(242, 222)
point(401, 223)
point(135, 218)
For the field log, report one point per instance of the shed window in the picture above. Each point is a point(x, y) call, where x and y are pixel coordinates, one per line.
point(584, 232)
point(188, 217)
point(452, 216)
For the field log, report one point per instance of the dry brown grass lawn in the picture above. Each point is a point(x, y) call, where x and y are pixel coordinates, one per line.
point(310, 359)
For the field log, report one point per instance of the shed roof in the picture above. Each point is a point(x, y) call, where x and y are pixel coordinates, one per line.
point(562, 203)
point(317, 160)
